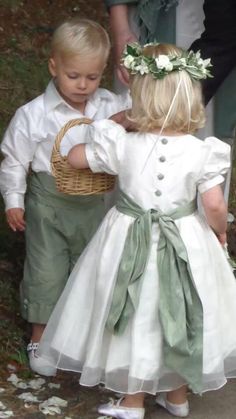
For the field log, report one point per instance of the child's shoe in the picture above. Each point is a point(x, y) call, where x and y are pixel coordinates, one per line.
point(121, 412)
point(39, 365)
point(180, 410)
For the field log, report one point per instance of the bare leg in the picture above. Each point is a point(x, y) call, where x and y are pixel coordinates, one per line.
point(37, 331)
point(178, 396)
point(133, 400)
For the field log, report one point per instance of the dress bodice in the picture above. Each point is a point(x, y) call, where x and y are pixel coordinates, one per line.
point(158, 171)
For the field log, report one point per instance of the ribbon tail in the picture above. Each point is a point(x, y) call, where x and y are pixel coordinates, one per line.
point(132, 266)
point(181, 312)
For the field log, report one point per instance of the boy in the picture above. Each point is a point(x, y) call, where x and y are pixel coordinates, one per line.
point(57, 227)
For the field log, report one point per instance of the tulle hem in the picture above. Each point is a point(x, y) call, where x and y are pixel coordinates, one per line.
point(121, 380)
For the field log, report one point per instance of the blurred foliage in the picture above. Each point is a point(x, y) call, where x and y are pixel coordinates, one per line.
point(21, 79)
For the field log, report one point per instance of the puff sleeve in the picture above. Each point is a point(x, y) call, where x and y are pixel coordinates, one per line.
point(105, 147)
point(215, 164)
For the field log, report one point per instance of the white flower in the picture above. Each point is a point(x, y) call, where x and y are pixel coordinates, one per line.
point(169, 67)
point(149, 44)
point(206, 62)
point(128, 60)
point(142, 68)
point(162, 62)
point(182, 61)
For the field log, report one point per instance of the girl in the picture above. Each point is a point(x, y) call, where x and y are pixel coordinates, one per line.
point(150, 305)
point(57, 226)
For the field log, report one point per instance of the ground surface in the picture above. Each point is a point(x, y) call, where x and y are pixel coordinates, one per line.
point(25, 30)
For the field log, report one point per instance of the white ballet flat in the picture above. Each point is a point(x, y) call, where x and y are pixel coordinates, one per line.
point(121, 412)
point(180, 410)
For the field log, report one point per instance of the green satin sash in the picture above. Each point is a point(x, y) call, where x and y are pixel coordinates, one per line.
point(180, 307)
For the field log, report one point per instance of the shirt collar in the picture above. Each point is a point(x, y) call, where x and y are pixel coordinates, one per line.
point(54, 99)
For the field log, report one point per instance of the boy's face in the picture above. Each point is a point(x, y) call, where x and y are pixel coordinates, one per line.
point(76, 77)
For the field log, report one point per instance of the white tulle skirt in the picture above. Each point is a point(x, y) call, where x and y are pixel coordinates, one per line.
point(76, 337)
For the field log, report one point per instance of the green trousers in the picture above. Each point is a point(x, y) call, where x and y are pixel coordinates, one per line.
point(58, 227)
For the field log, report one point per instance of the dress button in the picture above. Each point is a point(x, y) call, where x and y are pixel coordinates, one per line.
point(158, 193)
point(162, 159)
point(160, 176)
point(164, 141)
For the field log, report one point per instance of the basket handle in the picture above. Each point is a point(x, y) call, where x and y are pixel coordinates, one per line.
point(70, 124)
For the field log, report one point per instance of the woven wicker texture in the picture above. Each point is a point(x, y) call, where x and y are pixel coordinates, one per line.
point(77, 181)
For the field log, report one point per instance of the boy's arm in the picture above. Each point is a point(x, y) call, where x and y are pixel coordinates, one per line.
point(121, 118)
point(18, 151)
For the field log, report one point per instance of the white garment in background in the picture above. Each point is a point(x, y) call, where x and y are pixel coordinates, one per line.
point(32, 131)
point(76, 337)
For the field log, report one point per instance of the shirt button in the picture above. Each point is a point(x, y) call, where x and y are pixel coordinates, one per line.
point(162, 159)
point(160, 176)
point(158, 193)
point(164, 141)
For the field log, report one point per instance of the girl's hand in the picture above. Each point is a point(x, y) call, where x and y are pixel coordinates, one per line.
point(222, 238)
point(15, 219)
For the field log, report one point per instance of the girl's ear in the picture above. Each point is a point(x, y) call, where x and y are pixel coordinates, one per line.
point(52, 67)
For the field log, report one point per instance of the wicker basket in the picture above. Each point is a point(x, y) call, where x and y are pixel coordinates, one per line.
point(77, 181)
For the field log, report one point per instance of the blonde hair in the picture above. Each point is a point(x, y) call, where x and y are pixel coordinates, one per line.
point(175, 101)
point(81, 37)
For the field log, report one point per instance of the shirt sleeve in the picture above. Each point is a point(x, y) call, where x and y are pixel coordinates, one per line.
point(18, 152)
point(216, 164)
point(117, 103)
point(124, 101)
point(106, 147)
point(76, 135)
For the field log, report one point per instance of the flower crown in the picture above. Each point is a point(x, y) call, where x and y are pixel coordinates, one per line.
point(134, 60)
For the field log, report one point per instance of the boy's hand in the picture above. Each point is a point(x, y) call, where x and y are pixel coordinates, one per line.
point(121, 118)
point(15, 219)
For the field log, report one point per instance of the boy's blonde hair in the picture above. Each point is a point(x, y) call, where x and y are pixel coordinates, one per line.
point(81, 37)
point(152, 98)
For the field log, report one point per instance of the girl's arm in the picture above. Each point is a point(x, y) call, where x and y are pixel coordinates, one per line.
point(77, 157)
point(216, 211)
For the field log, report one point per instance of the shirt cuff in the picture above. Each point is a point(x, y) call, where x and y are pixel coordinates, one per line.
point(14, 200)
point(92, 158)
point(208, 184)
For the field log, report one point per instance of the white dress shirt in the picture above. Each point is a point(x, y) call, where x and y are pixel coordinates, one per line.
point(31, 134)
